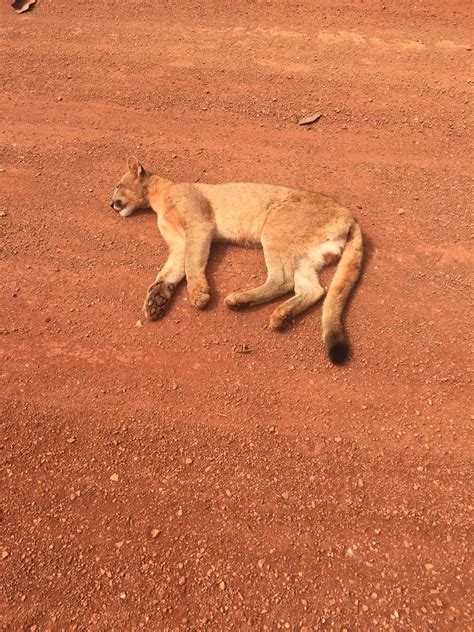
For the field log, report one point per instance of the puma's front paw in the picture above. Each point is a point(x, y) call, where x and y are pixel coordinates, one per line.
point(158, 299)
point(199, 296)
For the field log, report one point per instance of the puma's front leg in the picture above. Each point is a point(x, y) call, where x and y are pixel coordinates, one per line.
point(198, 244)
point(159, 293)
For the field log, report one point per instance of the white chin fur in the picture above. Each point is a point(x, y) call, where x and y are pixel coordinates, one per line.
point(125, 212)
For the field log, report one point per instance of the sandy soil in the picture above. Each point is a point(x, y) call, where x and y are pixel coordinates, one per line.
point(156, 477)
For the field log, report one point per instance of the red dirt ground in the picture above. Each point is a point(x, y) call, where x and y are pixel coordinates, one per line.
point(259, 490)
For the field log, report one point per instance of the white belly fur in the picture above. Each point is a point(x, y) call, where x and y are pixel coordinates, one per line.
point(319, 254)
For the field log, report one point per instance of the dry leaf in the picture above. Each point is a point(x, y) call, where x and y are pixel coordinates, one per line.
point(306, 120)
point(21, 6)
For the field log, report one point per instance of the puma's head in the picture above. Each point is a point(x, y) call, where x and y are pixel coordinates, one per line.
point(132, 190)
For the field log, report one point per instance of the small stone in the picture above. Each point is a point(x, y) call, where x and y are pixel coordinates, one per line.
point(222, 585)
point(114, 478)
point(155, 533)
point(174, 386)
point(304, 602)
point(5, 554)
point(119, 544)
point(401, 211)
point(72, 440)
point(429, 567)
point(337, 439)
point(260, 563)
point(59, 99)
point(285, 495)
point(123, 595)
point(228, 493)
point(439, 603)
point(182, 580)
point(3, 213)
point(139, 323)
point(188, 461)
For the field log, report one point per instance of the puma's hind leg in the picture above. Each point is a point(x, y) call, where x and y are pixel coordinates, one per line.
point(308, 291)
point(279, 281)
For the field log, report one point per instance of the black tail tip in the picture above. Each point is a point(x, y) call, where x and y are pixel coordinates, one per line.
point(338, 352)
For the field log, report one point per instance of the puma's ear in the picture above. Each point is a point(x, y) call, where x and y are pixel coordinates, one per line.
point(133, 165)
point(136, 169)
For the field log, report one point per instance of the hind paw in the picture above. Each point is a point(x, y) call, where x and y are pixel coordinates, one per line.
point(157, 300)
point(277, 322)
point(232, 301)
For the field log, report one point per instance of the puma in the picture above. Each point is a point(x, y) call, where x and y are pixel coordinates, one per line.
point(300, 232)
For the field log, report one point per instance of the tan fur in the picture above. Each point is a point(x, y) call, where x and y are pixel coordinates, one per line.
point(300, 233)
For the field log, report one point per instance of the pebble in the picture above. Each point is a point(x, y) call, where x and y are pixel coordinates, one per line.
point(155, 533)
point(222, 585)
point(182, 580)
point(114, 478)
point(139, 323)
point(188, 461)
point(3, 213)
point(5, 554)
point(401, 211)
point(285, 495)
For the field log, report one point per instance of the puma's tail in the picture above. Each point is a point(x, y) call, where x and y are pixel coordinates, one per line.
point(345, 277)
